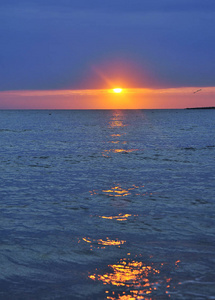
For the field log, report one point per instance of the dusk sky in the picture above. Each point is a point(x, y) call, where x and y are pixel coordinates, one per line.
point(66, 45)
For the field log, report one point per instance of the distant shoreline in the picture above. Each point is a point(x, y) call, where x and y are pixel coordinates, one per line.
point(209, 107)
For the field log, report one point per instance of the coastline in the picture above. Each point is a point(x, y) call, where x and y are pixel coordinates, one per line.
point(209, 107)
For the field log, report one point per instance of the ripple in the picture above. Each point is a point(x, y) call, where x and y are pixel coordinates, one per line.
point(132, 279)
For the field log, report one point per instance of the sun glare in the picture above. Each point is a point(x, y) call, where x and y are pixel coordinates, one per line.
point(117, 90)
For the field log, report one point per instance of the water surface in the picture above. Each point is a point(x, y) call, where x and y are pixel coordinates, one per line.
point(107, 204)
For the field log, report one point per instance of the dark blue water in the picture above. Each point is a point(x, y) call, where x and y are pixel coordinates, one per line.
point(107, 204)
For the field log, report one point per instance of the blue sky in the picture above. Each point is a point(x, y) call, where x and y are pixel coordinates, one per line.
point(63, 44)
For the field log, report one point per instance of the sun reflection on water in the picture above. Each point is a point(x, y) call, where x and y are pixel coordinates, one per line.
point(121, 195)
point(119, 191)
point(134, 279)
point(116, 123)
point(124, 151)
point(120, 217)
point(117, 135)
point(103, 243)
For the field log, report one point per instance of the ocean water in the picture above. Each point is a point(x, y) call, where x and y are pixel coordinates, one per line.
point(115, 204)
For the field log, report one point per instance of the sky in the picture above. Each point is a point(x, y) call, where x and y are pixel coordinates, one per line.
point(161, 51)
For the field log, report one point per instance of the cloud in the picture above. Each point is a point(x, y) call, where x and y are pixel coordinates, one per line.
point(106, 99)
point(99, 92)
point(47, 93)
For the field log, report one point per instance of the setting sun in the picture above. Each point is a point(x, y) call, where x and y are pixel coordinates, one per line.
point(117, 90)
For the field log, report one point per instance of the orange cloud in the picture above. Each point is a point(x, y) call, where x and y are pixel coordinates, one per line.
point(136, 98)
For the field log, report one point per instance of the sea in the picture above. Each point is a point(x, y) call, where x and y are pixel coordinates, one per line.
point(107, 204)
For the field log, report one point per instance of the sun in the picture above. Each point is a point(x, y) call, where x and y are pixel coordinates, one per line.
point(117, 90)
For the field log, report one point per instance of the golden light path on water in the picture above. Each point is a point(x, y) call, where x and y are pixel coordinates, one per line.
point(135, 279)
point(117, 123)
point(129, 278)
